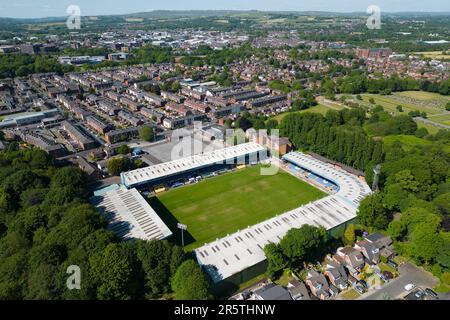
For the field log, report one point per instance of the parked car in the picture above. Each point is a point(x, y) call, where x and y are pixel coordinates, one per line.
point(364, 284)
point(246, 295)
point(419, 294)
point(392, 263)
point(383, 277)
point(388, 275)
point(359, 288)
point(410, 286)
point(431, 293)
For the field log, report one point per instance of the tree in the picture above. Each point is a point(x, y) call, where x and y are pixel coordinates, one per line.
point(6, 205)
point(371, 212)
point(271, 124)
point(41, 282)
point(160, 260)
point(443, 257)
point(118, 165)
point(176, 86)
point(446, 278)
point(228, 123)
point(190, 283)
point(349, 235)
point(304, 244)
point(397, 230)
point(147, 134)
point(259, 124)
point(112, 271)
point(275, 258)
point(70, 177)
point(393, 195)
point(124, 149)
point(243, 123)
point(426, 242)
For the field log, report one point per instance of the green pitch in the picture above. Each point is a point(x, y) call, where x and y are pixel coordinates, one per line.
point(225, 204)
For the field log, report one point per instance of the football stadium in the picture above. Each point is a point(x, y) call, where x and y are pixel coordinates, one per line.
point(233, 201)
point(231, 210)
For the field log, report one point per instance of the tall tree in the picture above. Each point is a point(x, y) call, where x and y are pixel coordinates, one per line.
point(372, 213)
point(190, 283)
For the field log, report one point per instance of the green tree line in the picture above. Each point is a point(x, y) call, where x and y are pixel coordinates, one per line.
point(47, 225)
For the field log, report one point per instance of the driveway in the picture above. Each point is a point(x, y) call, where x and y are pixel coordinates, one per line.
point(394, 289)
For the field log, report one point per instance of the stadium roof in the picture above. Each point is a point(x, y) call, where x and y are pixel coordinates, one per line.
point(243, 249)
point(129, 215)
point(141, 176)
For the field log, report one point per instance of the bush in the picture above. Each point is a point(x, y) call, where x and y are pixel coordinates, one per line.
point(445, 278)
point(436, 270)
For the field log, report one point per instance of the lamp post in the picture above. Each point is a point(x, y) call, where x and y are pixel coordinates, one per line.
point(182, 227)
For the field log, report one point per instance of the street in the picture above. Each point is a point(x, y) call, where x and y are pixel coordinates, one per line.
point(409, 273)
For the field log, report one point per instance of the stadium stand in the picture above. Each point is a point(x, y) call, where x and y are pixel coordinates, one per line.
point(129, 215)
point(235, 253)
point(156, 172)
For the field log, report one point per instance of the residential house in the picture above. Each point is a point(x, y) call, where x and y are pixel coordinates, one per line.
point(272, 292)
point(383, 243)
point(318, 284)
point(336, 274)
point(369, 250)
point(351, 258)
point(298, 290)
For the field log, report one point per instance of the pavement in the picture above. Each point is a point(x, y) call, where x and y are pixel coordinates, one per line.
point(394, 289)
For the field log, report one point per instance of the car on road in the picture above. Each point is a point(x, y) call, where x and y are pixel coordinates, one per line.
point(431, 293)
point(409, 286)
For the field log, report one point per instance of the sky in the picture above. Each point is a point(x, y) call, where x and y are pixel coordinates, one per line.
point(57, 8)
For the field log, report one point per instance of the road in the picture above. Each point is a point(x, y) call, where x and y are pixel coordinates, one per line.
point(428, 121)
point(409, 273)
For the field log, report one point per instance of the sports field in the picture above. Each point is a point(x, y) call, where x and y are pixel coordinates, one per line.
point(431, 103)
point(225, 204)
point(320, 108)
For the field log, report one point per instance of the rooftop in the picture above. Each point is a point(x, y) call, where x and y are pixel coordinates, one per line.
point(144, 175)
point(243, 249)
point(129, 215)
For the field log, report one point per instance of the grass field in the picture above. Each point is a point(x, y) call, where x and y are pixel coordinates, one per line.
point(420, 95)
point(434, 54)
point(390, 103)
point(431, 129)
point(320, 108)
point(225, 204)
point(431, 103)
point(441, 118)
point(409, 142)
